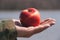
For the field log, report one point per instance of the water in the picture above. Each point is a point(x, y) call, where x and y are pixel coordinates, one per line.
point(52, 33)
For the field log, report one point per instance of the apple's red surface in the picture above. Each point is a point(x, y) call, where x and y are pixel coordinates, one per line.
point(30, 17)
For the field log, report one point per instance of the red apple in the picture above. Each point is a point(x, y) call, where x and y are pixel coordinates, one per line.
point(30, 17)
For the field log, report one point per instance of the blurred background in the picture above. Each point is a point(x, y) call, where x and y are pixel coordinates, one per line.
point(21, 4)
point(48, 8)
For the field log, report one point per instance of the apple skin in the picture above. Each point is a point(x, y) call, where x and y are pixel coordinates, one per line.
point(30, 17)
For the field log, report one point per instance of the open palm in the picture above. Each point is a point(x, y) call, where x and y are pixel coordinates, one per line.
point(29, 31)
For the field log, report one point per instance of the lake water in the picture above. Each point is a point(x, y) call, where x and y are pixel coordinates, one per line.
point(52, 33)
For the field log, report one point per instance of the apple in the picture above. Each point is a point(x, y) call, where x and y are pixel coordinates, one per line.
point(30, 17)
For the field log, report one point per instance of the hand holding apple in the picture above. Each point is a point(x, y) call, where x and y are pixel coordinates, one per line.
point(30, 17)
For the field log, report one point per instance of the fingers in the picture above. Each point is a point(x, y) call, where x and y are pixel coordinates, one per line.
point(44, 25)
point(16, 20)
point(47, 23)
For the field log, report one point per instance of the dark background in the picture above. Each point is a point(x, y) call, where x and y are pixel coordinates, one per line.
point(21, 4)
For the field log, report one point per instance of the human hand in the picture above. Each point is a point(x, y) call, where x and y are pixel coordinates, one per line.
point(29, 31)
